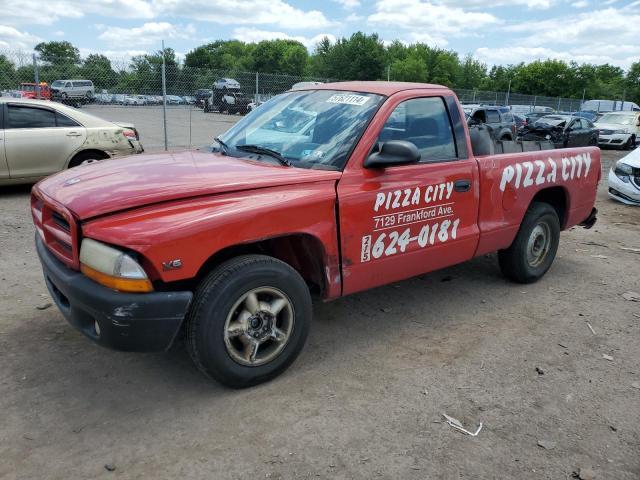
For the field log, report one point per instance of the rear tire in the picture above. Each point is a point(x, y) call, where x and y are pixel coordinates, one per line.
point(631, 143)
point(225, 322)
point(534, 248)
point(87, 157)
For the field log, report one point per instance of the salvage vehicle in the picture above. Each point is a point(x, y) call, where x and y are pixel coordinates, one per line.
point(563, 130)
point(38, 138)
point(228, 247)
point(619, 129)
point(499, 120)
point(31, 90)
point(624, 179)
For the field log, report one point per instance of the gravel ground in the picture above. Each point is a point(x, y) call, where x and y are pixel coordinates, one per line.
point(365, 399)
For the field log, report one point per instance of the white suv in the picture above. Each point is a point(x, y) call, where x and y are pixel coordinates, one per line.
point(619, 129)
point(79, 89)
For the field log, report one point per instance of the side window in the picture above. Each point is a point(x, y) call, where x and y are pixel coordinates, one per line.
point(508, 117)
point(67, 85)
point(493, 116)
point(425, 123)
point(585, 123)
point(28, 117)
point(64, 121)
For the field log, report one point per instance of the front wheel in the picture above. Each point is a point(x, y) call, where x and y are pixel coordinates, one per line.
point(535, 246)
point(249, 320)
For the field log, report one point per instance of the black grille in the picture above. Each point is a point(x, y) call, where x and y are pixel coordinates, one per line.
point(61, 221)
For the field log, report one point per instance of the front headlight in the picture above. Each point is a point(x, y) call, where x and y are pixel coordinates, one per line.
point(623, 171)
point(112, 268)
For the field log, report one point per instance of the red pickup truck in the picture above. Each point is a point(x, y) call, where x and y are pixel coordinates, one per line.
point(320, 192)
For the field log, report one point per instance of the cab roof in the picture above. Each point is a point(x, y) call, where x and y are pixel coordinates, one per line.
point(377, 87)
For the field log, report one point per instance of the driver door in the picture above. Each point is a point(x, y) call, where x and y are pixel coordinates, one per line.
point(401, 221)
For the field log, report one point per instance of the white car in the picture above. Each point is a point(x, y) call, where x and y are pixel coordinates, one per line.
point(624, 179)
point(619, 129)
point(134, 100)
point(39, 137)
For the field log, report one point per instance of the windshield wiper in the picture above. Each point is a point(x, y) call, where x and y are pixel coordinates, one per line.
point(225, 147)
point(265, 151)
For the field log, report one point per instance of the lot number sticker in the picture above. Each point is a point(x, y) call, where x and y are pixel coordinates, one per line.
point(348, 99)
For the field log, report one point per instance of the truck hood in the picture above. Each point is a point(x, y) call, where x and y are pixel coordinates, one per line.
point(613, 126)
point(632, 159)
point(108, 186)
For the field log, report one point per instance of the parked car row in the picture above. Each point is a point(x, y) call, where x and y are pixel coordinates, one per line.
point(106, 98)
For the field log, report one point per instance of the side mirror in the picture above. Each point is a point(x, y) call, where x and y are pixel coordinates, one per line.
point(393, 153)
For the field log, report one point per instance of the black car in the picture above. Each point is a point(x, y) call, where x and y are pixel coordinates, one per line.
point(563, 130)
point(201, 95)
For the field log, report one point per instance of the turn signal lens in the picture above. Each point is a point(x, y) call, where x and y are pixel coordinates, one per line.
point(116, 283)
point(112, 268)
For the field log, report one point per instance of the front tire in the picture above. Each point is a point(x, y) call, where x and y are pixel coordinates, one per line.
point(249, 320)
point(534, 248)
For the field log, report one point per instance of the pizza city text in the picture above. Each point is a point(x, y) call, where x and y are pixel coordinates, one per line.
point(425, 216)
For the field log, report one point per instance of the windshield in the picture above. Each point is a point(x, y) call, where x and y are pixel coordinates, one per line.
point(310, 129)
point(617, 119)
point(58, 83)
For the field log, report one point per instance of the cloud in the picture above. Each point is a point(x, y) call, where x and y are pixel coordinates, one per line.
point(15, 12)
point(348, 4)
point(148, 34)
point(601, 36)
point(484, 4)
point(254, 35)
point(437, 20)
point(244, 12)
point(580, 4)
point(13, 39)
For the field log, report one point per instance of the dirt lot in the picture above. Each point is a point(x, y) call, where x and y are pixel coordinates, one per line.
point(365, 399)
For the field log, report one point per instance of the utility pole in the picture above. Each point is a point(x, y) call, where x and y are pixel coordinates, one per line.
point(508, 93)
point(36, 75)
point(584, 91)
point(164, 98)
point(388, 73)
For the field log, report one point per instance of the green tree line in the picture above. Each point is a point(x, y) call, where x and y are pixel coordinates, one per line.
point(358, 57)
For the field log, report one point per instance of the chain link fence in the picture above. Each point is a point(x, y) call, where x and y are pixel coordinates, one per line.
point(175, 106)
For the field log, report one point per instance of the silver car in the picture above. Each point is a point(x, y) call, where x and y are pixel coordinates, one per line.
point(39, 137)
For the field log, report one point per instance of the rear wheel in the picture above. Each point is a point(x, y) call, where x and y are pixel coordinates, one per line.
point(631, 143)
point(535, 246)
point(249, 320)
point(87, 157)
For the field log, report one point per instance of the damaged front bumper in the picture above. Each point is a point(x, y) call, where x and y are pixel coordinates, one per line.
point(627, 192)
point(140, 322)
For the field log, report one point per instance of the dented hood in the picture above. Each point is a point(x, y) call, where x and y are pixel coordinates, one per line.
point(114, 185)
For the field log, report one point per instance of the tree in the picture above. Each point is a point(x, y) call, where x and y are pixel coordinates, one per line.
point(7, 73)
point(471, 73)
point(632, 82)
point(412, 68)
point(279, 56)
point(58, 53)
point(98, 69)
point(360, 57)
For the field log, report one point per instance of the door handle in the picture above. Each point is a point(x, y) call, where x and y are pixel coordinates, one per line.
point(462, 185)
point(73, 134)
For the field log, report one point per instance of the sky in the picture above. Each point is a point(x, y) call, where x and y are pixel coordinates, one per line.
point(494, 31)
